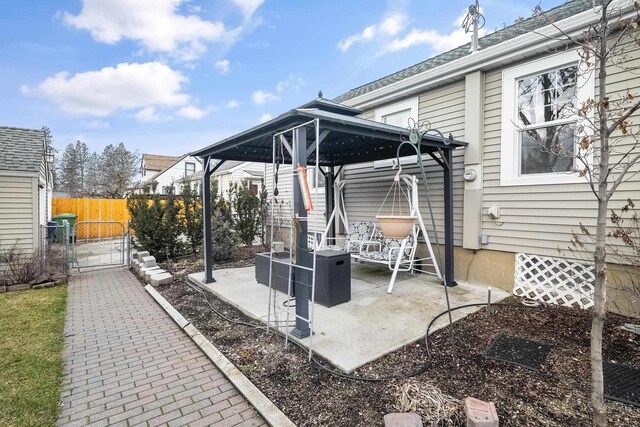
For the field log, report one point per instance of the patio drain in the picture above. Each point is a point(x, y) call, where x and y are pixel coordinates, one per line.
point(622, 383)
point(518, 351)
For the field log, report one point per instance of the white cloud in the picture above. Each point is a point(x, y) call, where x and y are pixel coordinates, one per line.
point(390, 36)
point(265, 117)
point(390, 26)
point(234, 104)
point(438, 42)
point(294, 82)
point(147, 114)
point(248, 7)
point(157, 25)
point(190, 112)
point(222, 66)
point(125, 87)
point(261, 97)
point(96, 124)
point(393, 24)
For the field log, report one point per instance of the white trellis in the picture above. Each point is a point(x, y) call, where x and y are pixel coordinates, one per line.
point(554, 280)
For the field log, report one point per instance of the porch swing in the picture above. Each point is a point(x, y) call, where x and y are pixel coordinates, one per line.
point(394, 241)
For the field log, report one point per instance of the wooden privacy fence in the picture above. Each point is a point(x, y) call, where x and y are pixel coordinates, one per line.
point(94, 210)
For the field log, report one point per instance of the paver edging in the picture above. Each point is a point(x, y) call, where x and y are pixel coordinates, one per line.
point(267, 409)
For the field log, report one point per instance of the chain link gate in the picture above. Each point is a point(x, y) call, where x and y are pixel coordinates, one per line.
point(55, 249)
point(99, 244)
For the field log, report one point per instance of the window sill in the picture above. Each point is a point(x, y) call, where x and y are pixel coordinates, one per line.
point(550, 179)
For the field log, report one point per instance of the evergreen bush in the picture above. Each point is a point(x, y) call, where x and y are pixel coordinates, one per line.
point(246, 207)
point(192, 217)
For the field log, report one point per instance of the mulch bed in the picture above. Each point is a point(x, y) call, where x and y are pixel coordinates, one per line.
point(557, 395)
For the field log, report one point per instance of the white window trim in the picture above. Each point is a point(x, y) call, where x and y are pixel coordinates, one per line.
point(509, 153)
point(311, 180)
point(413, 104)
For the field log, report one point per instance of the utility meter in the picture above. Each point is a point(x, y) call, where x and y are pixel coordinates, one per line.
point(470, 175)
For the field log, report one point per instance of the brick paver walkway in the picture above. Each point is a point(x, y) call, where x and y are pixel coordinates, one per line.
point(127, 363)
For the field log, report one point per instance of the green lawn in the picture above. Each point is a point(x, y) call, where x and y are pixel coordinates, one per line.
point(31, 334)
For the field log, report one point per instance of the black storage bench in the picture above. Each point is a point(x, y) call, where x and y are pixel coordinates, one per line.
point(333, 275)
point(280, 272)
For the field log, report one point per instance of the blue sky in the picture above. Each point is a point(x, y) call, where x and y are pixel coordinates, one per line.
point(171, 76)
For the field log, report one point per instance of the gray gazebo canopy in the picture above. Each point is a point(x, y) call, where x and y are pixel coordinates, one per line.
point(349, 139)
point(345, 139)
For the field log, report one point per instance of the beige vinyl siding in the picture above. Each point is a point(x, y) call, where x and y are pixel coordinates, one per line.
point(539, 219)
point(18, 211)
point(368, 115)
point(444, 109)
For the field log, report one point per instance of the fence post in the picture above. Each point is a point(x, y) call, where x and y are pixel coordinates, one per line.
point(66, 247)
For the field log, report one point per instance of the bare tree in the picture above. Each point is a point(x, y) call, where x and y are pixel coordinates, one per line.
point(607, 146)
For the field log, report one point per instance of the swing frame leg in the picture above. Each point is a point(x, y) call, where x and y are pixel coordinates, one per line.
point(397, 266)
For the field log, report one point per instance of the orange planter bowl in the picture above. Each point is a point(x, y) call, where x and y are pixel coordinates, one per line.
point(396, 226)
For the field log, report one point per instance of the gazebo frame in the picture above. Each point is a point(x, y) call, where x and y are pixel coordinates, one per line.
point(346, 139)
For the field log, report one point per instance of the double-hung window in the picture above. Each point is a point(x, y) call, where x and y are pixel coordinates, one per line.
point(540, 121)
point(189, 168)
point(397, 114)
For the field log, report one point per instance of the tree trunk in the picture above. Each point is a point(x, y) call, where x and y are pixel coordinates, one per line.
point(599, 312)
point(600, 253)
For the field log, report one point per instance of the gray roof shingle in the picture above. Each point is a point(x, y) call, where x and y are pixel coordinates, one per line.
point(558, 13)
point(21, 150)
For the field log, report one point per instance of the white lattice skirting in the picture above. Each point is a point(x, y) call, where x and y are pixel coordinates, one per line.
point(554, 280)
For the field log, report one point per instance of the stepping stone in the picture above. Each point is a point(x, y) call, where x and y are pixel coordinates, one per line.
point(398, 419)
point(147, 274)
point(149, 261)
point(480, 413)
point(160, 279)
point(143, 254)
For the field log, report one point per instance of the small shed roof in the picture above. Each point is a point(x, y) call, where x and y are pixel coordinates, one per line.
point(347, 139)
point(21, 150)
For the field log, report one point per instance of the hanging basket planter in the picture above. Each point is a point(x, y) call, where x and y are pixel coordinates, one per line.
point(396, 226)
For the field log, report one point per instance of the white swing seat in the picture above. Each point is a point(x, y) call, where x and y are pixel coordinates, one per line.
point(360, 234)
point(386, 251)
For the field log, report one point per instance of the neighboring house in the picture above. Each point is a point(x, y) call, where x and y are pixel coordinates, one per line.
point(152, 164)
point(237, 172)
point(229, 173)
point(26, 185)
point(518, 202)
point(169, 176)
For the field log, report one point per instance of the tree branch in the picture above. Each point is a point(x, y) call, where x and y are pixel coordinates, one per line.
point(622, 118)
point(618, 180)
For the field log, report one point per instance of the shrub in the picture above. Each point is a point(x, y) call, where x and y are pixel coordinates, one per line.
point(246, 207)
point(19, 266)
point(223, 237)
point(156, 222)
point(192, 216)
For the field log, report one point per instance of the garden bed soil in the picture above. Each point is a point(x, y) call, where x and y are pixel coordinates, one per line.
point(558, 395)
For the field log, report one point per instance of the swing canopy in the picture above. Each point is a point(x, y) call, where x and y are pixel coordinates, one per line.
point(346, 138)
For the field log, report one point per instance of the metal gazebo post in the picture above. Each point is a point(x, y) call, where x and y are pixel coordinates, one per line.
point(207, 211)
point(447, 157)
point(301, 275)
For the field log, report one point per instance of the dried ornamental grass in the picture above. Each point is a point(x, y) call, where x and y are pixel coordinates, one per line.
point(425, 399)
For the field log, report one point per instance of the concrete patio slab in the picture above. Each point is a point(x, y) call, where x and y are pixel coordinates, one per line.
point(364, 329)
